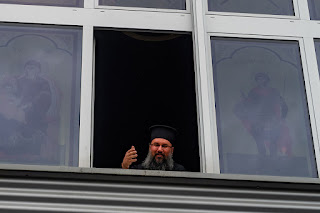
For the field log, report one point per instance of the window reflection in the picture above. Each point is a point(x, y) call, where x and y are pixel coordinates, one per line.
point(62, 3)
point(272, 7)
point(39, 95)
point(163, 4)
point(262, 114)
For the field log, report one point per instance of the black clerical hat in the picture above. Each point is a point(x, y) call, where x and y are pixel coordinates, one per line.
point(163, 131)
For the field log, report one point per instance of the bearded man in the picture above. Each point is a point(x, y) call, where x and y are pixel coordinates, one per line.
point(160, 151)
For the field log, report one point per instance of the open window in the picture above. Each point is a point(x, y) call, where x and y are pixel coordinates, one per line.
point(143, 79)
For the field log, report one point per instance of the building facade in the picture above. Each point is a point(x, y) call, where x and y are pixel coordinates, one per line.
point(81, 81)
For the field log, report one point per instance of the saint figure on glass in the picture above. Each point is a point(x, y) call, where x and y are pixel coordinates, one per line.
point(263, 112)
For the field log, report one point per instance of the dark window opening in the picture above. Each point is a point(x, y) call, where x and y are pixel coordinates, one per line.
point(143, 79)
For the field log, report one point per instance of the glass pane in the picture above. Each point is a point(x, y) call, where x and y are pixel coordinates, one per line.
point(317, 46)
point(39, 95)
point(163, 4)
point(62, 3)
point(262, 113)
point(278, 7)
point(314, 8)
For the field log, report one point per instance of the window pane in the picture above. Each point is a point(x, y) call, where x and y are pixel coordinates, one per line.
point(278, 7)
point(314, 8)
point(317, 46)
point(62, 3)
point(39, 95)
point(262, 114)
point(163, 4)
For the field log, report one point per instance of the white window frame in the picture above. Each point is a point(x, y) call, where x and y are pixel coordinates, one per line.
point(203, 24)
point(88, 18)
point(308, 74)
point(255, 26)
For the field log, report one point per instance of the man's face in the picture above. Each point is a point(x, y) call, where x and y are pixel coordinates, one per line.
point(160, 149)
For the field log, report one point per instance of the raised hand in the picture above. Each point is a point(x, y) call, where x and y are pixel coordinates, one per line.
point(129, 158)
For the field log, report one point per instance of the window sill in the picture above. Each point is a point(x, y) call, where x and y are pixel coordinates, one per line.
point(158, 177)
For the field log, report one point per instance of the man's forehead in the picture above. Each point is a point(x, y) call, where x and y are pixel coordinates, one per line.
point(161, 140)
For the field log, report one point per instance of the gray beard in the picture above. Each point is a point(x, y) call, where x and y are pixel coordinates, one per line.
point(150, 163)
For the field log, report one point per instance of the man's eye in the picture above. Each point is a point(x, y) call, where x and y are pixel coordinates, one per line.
point(164, 146)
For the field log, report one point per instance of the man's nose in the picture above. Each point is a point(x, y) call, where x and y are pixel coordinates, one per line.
point(160, 149)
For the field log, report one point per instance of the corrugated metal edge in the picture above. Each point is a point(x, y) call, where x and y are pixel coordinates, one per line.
point(36, 191)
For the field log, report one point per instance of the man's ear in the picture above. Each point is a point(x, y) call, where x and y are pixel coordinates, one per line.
point(172, 148)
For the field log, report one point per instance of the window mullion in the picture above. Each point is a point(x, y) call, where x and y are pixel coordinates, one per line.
point(313, 78)
point(208, 150)
point(302, 7)
point(89, 4)
point(86, 122)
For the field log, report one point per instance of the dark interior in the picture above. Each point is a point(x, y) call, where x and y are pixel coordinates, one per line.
point(142, 79)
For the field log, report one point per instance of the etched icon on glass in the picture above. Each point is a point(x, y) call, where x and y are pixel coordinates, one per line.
point(261, 108)
point(39, 94)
